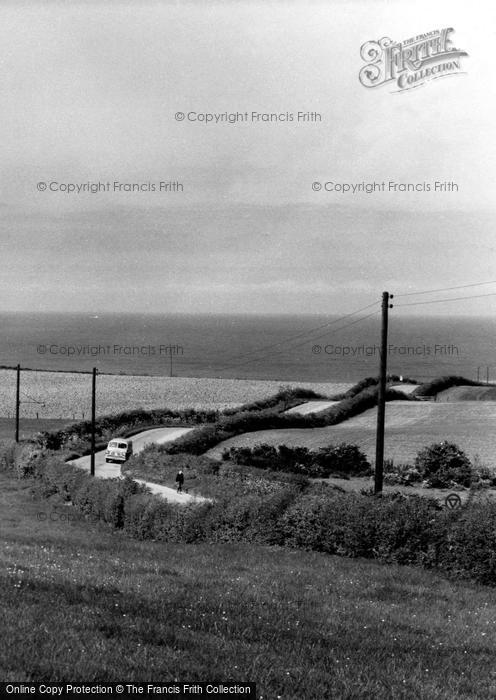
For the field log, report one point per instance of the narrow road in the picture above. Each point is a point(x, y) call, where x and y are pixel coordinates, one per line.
point(112, 470)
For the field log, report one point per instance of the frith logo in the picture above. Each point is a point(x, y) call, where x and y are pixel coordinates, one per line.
point(410, 63)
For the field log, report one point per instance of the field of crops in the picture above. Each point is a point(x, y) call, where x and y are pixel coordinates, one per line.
point(468, 393)
point(409, 427)
point(66, 395)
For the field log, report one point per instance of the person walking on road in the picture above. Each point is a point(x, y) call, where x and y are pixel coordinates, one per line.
point(180, 481)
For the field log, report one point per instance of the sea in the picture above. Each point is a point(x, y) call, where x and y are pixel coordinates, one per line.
point(310, 348)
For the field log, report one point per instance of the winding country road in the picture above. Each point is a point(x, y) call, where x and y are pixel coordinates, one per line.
point(140, 441)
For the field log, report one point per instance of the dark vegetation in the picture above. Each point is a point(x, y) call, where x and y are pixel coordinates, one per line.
point(288, 512)
point(440, 465)
point(126, 424)
point(337, 460)
point(204, 438)
point(368, 382)
point(286, 398)
point(441, 383)
point(259, 415)
point(75, 437)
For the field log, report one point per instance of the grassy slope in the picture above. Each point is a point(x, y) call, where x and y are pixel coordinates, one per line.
point(409, 427)
point(29, 426)
point(468, 393)
point(81, 603)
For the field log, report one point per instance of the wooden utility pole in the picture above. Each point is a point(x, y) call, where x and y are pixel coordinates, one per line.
point(381, 397)
point(18, 401)
point(93, 422)
point(171, 363)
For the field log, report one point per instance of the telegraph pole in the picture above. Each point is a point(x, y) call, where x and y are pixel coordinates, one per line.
point(381, 397)
point(93, 421)
point(18, 401)
point(171, 363)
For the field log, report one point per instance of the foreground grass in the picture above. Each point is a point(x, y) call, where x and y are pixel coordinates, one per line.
point(80, 602)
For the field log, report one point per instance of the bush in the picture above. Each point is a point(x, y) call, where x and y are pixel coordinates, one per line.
point(401, 474)
point(341, 460)
point(25, 458)
point(482, 475)
point(443, 465)
point(7, 452)
point(470, 544)
point(398, 529)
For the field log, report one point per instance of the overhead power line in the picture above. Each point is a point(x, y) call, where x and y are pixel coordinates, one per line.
point(299, 345)
point(445, 289)
point(298, 335)
point(438, 301)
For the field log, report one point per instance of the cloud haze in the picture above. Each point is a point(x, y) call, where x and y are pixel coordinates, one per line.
point(89, 94)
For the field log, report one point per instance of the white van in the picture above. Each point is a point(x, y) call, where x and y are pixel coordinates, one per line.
point(119, 450)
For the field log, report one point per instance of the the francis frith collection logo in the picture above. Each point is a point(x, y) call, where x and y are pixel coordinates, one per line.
point(410, 63)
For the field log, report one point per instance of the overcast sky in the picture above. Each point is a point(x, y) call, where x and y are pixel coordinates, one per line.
point(90, 92)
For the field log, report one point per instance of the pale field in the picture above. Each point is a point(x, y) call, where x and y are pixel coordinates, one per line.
point(67, 395)
point(410, 426)
point(304, 409)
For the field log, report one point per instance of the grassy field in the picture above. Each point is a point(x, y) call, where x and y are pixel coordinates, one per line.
point(82, 603)
point(29, 426)
point(409, 427)
point(468, 393)
point(66, 395)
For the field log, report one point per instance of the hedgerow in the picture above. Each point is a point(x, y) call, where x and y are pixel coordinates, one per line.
point(204, 438)
point(441, 383)
point(405, 530)
point(126, 423)
point(371, 382)
point(286, 398)
point(337, 460)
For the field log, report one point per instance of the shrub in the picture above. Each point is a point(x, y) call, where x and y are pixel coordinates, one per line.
point(7, 452)
point(470, 543)
point(341, 460)
point(409, 530)
point(482, 475)
point(401, 474)
point(146, 517)
point(25, 458)
point(443, 465)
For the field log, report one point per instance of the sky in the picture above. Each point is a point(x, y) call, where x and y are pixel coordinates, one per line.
point(90, 94)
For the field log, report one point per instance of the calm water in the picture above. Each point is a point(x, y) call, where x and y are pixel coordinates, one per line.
point(253, 347)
